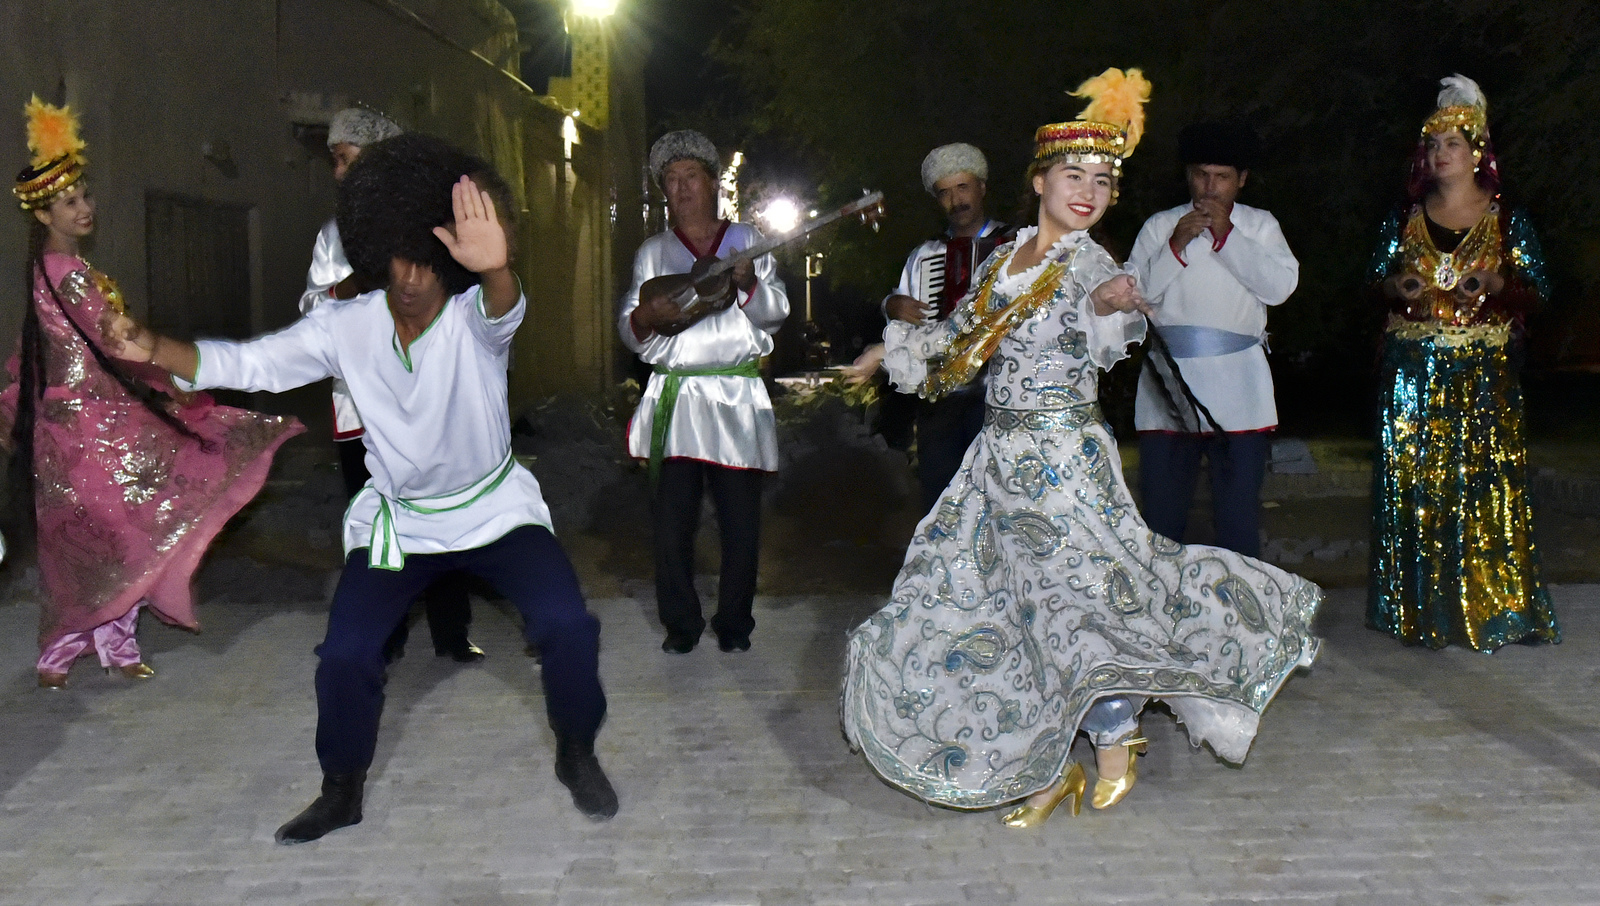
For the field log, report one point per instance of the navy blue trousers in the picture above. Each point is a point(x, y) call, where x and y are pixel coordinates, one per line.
point(945, 429)
point(447, 604)
point(527, 566)
point(1169, 466)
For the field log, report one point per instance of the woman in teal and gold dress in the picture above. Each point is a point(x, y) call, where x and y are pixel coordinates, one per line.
point(1034, 603)
point(1453, 554)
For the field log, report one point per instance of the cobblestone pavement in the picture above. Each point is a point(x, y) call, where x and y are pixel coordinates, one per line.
point(1386, 775)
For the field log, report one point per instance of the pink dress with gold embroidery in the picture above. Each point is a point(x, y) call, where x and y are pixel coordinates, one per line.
point(126, 506)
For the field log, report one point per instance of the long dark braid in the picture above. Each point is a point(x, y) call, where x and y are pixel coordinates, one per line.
point(31, 383)
point(33, 377)
point(1159, 346)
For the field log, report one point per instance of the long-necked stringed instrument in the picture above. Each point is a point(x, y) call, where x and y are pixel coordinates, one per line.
point(708, 287)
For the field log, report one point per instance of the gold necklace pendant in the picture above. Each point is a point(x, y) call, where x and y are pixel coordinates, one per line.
point(1445, 276)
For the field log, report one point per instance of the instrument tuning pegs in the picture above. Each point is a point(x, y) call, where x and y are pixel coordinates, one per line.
point(872, 215)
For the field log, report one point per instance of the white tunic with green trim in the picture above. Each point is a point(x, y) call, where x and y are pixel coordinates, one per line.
point(438, 431)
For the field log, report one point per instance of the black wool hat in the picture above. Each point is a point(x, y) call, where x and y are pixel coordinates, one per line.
point(396, 192)
point(1228, 144)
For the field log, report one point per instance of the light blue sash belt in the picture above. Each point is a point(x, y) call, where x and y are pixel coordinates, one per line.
point(1191, 342)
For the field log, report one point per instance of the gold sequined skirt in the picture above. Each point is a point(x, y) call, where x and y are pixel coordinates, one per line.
point(1454, 561)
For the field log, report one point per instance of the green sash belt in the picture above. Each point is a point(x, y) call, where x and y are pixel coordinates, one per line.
point(662, 419)
point(385, 552)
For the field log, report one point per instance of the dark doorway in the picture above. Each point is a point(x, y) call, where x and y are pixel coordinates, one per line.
point(197, 255)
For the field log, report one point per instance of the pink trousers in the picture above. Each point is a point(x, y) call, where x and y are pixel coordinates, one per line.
point(113, 641)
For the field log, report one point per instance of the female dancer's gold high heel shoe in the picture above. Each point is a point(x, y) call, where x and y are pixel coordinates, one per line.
point(1071, 785)
point(1110, 792)
point(135, 671)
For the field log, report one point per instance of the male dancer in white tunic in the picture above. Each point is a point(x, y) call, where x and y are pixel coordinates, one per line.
point(705, 418)
point(331, 279)
point(937, 274)
point(1211, 269)
point(426, 362)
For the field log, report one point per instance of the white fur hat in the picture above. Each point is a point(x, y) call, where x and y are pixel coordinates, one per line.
point(948, 160)
point(360, 127)
point(684, 144)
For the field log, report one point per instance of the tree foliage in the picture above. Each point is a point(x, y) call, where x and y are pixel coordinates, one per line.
point(860, 90)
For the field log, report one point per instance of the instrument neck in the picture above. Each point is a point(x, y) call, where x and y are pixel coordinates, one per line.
point(770, 243)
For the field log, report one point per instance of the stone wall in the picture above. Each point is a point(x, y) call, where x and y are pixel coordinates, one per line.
point(227, 104)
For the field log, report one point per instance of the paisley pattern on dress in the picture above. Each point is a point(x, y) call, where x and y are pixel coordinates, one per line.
point(125, 504)
point(1034, 588)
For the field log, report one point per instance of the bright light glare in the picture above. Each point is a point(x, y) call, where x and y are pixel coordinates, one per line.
point(781, 214)
point(569, 134)
point(598, 9)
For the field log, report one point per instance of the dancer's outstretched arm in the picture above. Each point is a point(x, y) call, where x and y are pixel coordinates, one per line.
point(130, 341)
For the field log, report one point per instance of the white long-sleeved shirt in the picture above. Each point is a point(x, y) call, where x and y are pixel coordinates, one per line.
point(436, 414)
point(328, 267)
point(723, 419)
point(1226, 285)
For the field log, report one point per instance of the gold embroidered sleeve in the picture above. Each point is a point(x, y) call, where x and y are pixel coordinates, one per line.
point(75, 288)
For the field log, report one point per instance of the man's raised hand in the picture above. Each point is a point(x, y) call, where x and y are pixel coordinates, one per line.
point(1218, 216)
point(478, 241)
point(1188, 227)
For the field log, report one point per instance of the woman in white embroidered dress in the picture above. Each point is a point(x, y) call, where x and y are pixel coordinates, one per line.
point(1034, 603)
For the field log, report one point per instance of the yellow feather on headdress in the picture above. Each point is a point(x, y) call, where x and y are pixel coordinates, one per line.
point(52, 132)
point(1117, 98)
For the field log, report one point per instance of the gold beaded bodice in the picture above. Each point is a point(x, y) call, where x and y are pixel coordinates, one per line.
point(1442, 272)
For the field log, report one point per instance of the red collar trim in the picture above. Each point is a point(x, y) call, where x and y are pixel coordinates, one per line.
point(716, 244)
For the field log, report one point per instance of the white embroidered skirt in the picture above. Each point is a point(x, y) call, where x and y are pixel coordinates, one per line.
point(1033, 589)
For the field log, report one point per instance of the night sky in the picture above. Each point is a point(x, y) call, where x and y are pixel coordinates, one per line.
point(678, 76)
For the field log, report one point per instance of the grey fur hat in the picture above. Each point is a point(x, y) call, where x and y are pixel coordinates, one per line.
point(360, 127)
point(684, 144)
point(948, 160)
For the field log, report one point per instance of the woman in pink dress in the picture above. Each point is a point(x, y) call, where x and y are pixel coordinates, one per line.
point(129, 480)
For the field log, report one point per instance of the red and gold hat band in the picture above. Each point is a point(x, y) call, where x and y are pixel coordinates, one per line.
point(37, 188)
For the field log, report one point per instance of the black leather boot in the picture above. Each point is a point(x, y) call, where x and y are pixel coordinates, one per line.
point(579, 771)
point(460, 650)
point(338, 806)
point(449, 610)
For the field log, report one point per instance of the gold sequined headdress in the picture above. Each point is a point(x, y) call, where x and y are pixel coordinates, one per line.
point(58, 159)
point(1461, 106)
point(1107, 130)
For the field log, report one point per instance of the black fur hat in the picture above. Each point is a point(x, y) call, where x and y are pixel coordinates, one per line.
point(1229, 144)
point(396, 192)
